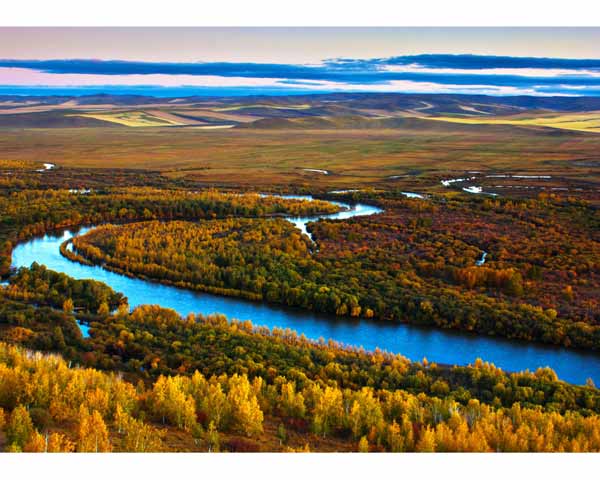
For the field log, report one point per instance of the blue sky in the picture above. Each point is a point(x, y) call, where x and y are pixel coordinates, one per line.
point(242, 61)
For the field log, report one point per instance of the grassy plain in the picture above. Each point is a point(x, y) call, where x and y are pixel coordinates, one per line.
point(382, 158)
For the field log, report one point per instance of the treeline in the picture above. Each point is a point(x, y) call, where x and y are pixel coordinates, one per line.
point(27, 213)
point(47, 406)
point(154, 341)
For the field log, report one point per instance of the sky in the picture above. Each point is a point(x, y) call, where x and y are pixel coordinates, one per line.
point(246, 61)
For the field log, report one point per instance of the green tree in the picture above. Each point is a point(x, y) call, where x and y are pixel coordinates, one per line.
point(19, 427)
point(212, 438)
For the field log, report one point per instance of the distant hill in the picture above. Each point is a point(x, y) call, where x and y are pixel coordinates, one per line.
point(50, 119)
point(440, 103)
point(334, 110)
point(400, 123)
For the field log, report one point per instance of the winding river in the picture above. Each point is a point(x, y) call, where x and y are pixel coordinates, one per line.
point(440, 346)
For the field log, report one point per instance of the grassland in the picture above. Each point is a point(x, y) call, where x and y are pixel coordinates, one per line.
point(583, 122)
point(407, 158)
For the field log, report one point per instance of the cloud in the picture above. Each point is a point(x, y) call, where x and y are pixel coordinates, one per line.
point(521, 72)
point(416, 73)
point(477, 62)
point(24, 76)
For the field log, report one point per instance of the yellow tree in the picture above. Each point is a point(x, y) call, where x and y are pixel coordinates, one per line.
point(363, 445)
point(58, 443)
point(426, 441)
point(215, 404)
point(329, 411)
point(394, 438)
point(291, 402)
point(245, 413)
point(68, 305)
point(170, 402)
point(97, 399)
point(93, 434)
point(103, 309)
point(212, 438)
point(36, 443)
point(365, 412)
point(139, 437)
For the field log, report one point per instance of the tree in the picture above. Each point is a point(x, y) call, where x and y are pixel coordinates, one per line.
point(365, 413)
point(93, 434)
point(394, 438)
point(103, 309)
point(514, 286)
point(68, 305)
point(363, 445)
point(58, 443)
point(36, 443)
point(329, 411)
point(291, 402)
point(170, 402)
point(426, 442)
point(19, 428)
point(281, 434)
point(590, 382)
point(215, 404)
point(123, 310)
point(245, 413)
point(212, 438)
point(139, 437)
point(59, 339)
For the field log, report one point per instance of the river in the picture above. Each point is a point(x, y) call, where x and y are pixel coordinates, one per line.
point(449, 347)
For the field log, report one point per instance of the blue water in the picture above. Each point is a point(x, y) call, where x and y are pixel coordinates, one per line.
point(85, 330)
point(413, 342)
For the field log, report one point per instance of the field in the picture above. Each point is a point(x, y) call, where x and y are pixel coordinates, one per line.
point(412, 159)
